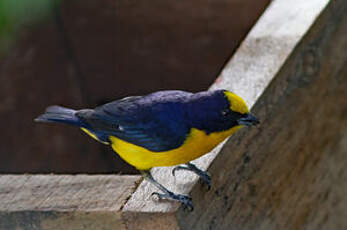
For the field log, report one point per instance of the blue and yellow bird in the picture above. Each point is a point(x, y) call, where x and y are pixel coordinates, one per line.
point(164, 128)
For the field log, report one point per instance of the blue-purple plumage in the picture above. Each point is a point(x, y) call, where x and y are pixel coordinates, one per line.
point(159, 121)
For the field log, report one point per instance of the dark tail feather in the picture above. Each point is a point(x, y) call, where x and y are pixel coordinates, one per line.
point(60, 114)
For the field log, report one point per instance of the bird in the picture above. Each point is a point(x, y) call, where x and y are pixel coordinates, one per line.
point(164, 128)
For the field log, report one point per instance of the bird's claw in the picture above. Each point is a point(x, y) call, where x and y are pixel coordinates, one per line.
point(186, 200)
point(205, 176)
point(180, 167)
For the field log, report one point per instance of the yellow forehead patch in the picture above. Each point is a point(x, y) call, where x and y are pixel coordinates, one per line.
point(237, 104)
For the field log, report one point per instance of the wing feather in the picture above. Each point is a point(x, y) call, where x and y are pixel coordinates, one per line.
point(144, 121)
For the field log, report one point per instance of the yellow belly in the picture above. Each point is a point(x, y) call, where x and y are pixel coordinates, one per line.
point(197, 144)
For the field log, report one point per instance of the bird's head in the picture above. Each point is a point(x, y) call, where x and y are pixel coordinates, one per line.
point(219, 110)
point(238, 110)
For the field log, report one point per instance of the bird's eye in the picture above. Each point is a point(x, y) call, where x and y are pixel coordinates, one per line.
point(225, 112)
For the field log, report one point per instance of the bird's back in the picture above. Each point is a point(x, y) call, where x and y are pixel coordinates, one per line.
point(155, 121)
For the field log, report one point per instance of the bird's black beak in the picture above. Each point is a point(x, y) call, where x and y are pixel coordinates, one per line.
point(248, 120)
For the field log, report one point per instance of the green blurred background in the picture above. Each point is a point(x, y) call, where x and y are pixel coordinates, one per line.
point(15, 14)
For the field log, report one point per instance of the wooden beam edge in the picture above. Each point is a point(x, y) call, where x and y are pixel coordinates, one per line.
point(289, 173)
point(64, 201)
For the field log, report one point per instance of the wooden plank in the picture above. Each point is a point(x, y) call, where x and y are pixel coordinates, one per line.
point(63, 201)
point(248, 73)
point(290, 172)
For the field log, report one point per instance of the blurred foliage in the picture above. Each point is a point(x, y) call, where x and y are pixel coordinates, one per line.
point(17, 13)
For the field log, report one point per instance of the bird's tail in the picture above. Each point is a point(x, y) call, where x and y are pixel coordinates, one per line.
point(60, 114)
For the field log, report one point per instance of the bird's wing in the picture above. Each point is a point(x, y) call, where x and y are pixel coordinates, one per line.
point(157, 127)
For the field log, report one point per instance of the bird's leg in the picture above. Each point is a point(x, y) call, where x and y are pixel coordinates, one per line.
point(167, 194)
point(191, 167)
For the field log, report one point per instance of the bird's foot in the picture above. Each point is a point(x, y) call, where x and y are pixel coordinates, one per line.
point(205, 176)
point(186, 200)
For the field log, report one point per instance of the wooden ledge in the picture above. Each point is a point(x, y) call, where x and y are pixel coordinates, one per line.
point(288, 173)
point(65, 193)
point(63, 201)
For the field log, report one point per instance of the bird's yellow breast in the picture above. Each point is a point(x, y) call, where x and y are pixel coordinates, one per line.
point(197, 144)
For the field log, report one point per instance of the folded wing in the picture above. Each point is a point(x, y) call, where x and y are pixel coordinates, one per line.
point(156, 126)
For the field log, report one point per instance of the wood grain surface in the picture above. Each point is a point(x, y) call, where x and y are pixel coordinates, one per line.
point(63, 201)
